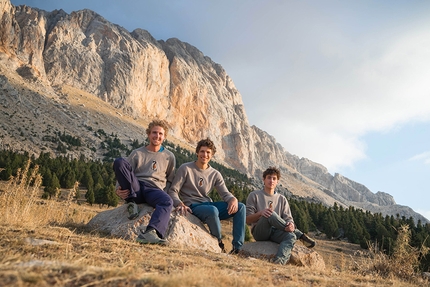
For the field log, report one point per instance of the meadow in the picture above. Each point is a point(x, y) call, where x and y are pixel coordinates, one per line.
point(46, 243)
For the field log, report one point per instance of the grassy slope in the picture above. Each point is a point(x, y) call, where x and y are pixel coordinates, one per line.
point(44, 243)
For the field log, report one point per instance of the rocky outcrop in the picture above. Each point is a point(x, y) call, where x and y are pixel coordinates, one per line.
point(183, 232)
point(300, 255)
point(188, 232)
point(22, 38)
point(349, 192)
point(342, 187)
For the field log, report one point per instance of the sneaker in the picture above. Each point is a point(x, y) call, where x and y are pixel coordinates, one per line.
point(221, 245)
point(133, 210)
point(234, 251)
point(150, 237)
point(278, 261)
point(307, 241)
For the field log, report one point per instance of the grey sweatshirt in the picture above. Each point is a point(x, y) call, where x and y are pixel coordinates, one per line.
point(193, 185)
point(259, 200)
point(157, 169)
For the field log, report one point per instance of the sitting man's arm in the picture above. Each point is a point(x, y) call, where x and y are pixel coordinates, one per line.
point(233, 205)
point(183, 209)
point(251, 218)
point(174, 189)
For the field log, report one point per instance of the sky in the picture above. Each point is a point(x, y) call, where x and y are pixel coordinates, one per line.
point(342, 83)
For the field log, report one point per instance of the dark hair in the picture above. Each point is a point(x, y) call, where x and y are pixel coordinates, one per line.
point(159, 123)
point(206, 142)
point(272, 170)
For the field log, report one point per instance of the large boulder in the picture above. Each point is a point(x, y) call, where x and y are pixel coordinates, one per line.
point(300, 255)
point(183, 231)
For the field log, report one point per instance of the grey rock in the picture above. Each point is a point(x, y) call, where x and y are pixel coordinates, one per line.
point(300, 255)
point(183, 232)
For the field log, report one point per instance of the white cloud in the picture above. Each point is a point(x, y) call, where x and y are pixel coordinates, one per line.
point(371, 88)
point(318, 144)
point(425, 157)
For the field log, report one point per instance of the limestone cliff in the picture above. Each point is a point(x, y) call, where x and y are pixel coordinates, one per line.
point(133, 78)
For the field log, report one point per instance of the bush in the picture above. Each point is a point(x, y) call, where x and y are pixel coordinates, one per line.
point(402, 264)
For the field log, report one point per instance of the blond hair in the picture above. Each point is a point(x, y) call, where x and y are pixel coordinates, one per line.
point(158, 123)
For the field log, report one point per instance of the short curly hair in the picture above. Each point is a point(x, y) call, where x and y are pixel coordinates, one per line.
point(159, 123)
point(272, 170)
point(206, 142)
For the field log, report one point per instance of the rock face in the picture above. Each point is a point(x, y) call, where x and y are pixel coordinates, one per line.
point(348, 192)
point(183, 232)
point(142, 78)
point(134, 72)
point(300, 255)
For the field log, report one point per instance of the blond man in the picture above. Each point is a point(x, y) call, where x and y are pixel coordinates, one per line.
point(144, 177)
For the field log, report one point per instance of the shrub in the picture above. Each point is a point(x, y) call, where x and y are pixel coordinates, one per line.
point(402, 264)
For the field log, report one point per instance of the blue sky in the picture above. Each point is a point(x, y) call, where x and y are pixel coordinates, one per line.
point(342, 83)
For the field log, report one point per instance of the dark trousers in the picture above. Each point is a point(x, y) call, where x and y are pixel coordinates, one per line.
point(142, 193)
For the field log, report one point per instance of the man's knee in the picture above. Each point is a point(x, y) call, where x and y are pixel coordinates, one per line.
point(289, 236)
point(166, 200)
point(274, 215)
point(212, 211)
point(206, 211)
point(241, 210)
point(169, 202)
point(119, 163)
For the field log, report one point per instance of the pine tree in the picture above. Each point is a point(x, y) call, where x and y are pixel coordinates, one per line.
point(87, 179)
point(330, 226)
point(112, 198)
point(51, 189)
point(89, 195)
point(68, 178)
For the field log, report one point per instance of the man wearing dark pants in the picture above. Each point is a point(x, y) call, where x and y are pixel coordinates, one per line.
point(270, 217)
point(144, 177)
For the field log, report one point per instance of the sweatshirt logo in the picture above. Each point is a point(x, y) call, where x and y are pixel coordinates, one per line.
point(154, 165)
point(201, 181)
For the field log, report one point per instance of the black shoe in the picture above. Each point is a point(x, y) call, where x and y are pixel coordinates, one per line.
point(307, 241)
point(234, 251)
point(221, 245)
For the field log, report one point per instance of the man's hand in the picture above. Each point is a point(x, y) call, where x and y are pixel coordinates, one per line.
point(183, 209)
point(266, 212)
point(233, 206)
point(289, 227)
point(123, 193)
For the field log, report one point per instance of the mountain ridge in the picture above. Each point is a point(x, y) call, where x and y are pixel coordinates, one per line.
point(88, 72)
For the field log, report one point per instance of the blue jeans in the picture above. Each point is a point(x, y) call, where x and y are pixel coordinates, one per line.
point(212, 212)
point(272, 229)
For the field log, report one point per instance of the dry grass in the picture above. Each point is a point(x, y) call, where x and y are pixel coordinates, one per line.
point(45, 243)
point(403, 264)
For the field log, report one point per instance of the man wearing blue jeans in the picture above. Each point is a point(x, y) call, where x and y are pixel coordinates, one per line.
point(270, 217)
point(194, 181)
